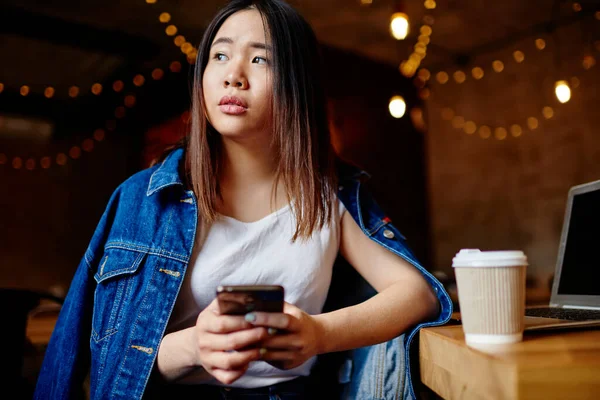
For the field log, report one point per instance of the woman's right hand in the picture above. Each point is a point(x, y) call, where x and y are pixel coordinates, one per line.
point(226, 344)
point(223, 345)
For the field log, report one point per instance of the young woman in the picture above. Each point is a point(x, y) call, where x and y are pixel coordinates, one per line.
point(255, 196)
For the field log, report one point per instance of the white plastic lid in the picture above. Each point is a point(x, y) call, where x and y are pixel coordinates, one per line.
point(476, 258)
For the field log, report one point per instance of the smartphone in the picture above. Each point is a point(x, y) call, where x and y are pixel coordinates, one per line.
point(242, 299)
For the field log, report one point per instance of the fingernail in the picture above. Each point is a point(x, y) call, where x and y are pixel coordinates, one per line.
point(250, 317)
point(271, 331)
point(262, 351)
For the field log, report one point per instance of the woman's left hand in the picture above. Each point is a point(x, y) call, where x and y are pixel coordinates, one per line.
point(295, 336)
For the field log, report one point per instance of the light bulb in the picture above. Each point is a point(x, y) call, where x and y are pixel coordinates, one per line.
point(399, 26)
point(563, 91)
point(397, 106)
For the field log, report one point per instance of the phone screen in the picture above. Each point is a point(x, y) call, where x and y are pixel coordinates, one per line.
point(242, 299)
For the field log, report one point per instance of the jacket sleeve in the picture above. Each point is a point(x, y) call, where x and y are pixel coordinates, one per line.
point(387, 370)
point(67, 357)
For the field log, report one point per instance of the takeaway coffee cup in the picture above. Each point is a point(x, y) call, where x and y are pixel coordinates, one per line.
point(491, 295)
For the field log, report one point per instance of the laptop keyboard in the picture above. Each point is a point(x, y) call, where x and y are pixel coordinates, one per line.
point(563, 313)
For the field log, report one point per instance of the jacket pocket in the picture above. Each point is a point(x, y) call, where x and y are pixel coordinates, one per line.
point(115, 277)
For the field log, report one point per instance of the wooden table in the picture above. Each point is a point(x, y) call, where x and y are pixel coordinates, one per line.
point(549, 365)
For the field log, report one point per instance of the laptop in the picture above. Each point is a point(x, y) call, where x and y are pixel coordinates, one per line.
point(575, 298)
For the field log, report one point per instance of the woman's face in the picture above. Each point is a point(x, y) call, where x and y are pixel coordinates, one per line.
point(237, 84)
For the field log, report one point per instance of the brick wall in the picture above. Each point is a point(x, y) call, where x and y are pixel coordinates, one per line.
point(511, 194)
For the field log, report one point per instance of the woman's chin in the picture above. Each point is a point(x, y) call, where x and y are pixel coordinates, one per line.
point(238, 132)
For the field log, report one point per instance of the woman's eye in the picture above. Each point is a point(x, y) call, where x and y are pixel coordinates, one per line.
point(220, 57)
point(259, 60)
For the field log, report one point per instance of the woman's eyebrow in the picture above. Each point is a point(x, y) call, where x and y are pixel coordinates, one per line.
point(258, 45)
point(222, 40)
point(228, 40)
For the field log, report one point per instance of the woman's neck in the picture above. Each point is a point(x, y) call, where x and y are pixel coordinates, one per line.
point(246, 163)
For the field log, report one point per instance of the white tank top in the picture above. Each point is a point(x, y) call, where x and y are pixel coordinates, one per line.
point(231, 252)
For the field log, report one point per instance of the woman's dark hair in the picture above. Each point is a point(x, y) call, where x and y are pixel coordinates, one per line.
point(301, 139)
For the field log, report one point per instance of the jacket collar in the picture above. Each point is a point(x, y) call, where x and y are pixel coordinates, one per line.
point(167, 173)
point(347, 171)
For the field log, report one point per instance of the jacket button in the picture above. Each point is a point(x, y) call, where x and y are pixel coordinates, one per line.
point(388, 234)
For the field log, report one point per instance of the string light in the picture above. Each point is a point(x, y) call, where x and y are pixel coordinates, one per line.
point(470, 127)
point(459, 76)
point(179, 40)
point(547, 112)
point(88, 144)
point(30, 164)
point(164, 17)
point(45, 162)
point(498, 66)
point(397, 106)
point(499, 132)
point(139, 80)
point(17, 163)
point(61, 159)
point(129, 101)
point(73, 91)
point(588, 61)
point(540, 44)
point(424, 74)
point(175, 66)
point(477, 73)
point(399, 26)
point(485, 132)
point(516, 130)
point(430, 4)
point(532, 123)
point(186, 48)
point(171, 30)
point(442, 77)
point(409, 67)
point(110, 125)
point(118, 86)
point(416, 116)
point(96, 89)
point(99, 135)
point(519, 56)
point(157, 74)
point(75, 152)
point(563, 91)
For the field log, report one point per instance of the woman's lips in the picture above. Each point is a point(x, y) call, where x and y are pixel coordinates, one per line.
point(232, 109)
point(232, 105)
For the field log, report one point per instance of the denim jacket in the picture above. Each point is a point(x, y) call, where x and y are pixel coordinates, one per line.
point(123, 292)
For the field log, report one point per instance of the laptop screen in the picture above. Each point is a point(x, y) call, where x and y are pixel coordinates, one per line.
point(581, 260)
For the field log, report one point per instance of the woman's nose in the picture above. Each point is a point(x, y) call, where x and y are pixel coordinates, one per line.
point(236, 79)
